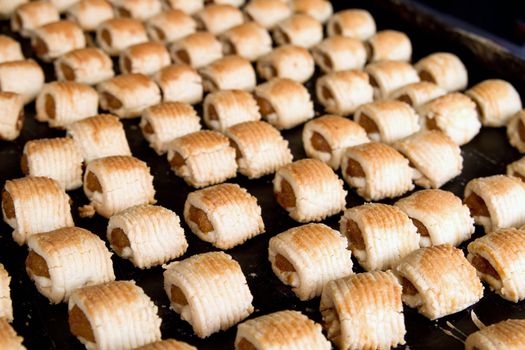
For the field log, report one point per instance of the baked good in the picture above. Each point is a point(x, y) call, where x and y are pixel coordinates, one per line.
point(267, 12)
point(337, 53)
point(6, 305)
point(117, 34)
point(144, 58)
point(89, 14)
point(517, 169)
point(10, 49)
point(188, 6)
point(515, 130)
point(12, 117)
point(443, 69)
point(321, 10)
point(236, 3)
point(417, 94)
point(171, 25)
point(228, 73)
point(300, 30)
point(8, 7)
point(225, 108)
point(179, 83)
point(353, 23)
point(31, 15)
point(88, 66)
point(388, 76)
point(167, 344)
point(248, 40)
point(138, 9)
point(288, 61)
point(62, 5)
point(389, 45)
point(197, 49)
point(502, 335)
point(218, 18)
point(25, 78)
point(8, 337)
point(54, 39)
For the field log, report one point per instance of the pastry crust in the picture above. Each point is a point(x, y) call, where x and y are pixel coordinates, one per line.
point(25, 78)
point(249, 40)
point(388, 76)
point(267, 12)
point(517, 169)
point(288, 61)
point(8, 337)
point(209, 291)
point(171, 25)
point(197, 50)
point(138, 9)
point(188, 6)
point(168, 344)
point(228, 73)
point(217, 18)
point(179, 83)
point(144, 58)
point(54, 39)
point(117, 34)
point(10, 49)
point(337, 53)
point(300, 30)
point(443, 69)
point(8, 7)
point(12, 117)
point(506, 334)
point(226, 108)
point(31, 15)
point(417, 94)
point(516, 131)
point(389, 45)
point(236, 3)
point(62, 5)
point(354, 23)
point(89, 14)
point(6, 305)
point(321, 10)
point(88, 66)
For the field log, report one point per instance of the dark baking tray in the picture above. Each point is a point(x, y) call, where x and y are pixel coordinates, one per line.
point(45, 326)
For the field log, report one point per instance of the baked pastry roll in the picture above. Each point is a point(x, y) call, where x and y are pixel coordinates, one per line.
point(170, 25)
point(209, 291)
point(289, 61)
point(417, 94)
point(517, 169)
point(454, 114)
point(62, 5)
point(8, 337)
point(89, 14)
point(438, 281)
point(168, 344)
point(321, 10)
point(309, 190)
point(163, 123)
point(114, 315)
point(65, 102)
point(353, 23)
point(388, 76)
point(434, 158)
point(179, 83)
point(145, 58)
point(376, 171)
point(443, 69)
point(506, 334)
point(249, 40)
point(515, 130)
point(8, 7)
point(57, 158)
point(35, 204)
point(197, 49)
point(267, 12)
point(31, 15)
point(54, 39)
point(138, 9)
point(99, 136)
point(203, 158)
point(300, 30)
point(25, 78)
point(148, 235)
point(327, 137)
point(117, 34)
point(217, 19)
point(128, 95)
point(439, 216)
point(364, 311)
point(63, 260)
point(337, 53)
point(236, 3)
point(496, 101)
point(228, 73)
point(225, 108)
point(496, 201)
point(389, 45)
point(10, 49)
point(266, 332)
point(308, 256)
point(6, 306)
point(88, 66)
point(12, 117)
point(188, 6)
point(284, 103)
point(343, 92)
point(225, 215)
point(260, 148)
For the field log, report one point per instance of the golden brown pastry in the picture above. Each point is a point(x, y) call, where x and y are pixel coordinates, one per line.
point(226, 108)
point(388, 76)
point(389, 45)
point(267, 12)
point(88, 66)
point(117, 34)
point(197, 49)
point(218, 18)
point(443, 69)
point(517, 169)
point(353, 23)
point(25, 78)
point(89, 14)
point(144, 58)
point(168, 344)
point(188, 6)
point(228, 73)
point(321, 10)
point(289, 61)
point(417, 94)
point(6, 305)
point(300, 30)
point(506, 334)
point(8, 7)
point(8, 337)
point(180, 83)
point(516, 131)
point(138, 9)
point(171, 25)
point(12, 117)
point(31, 15)
point(10, 49)
point(337, 53)
point(54, 39)
point(249, 40)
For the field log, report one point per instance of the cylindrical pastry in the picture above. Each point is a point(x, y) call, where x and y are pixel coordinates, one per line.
point(326, 138)
point(10, 49)
point(8, 7)
point(145, 58)
point(179, 83)
point(388, 76)
point(188, 6)
point(496, 201)
point(364, 311)
point(439, 216)
point(321, 10)
point(354, 23)
point(57, 158)
point(170, 25)
point(309, 190)
point(249, 40)
point(6, 306)
point(99, 136)
point(379, 235)
point(309, 256)
point(12, 117)
point(31, 15)
point(163, 123)
point(65, 102)
point(88, 66)
point(54, 39)
point(147, 235)
point(455, 114)
point(516, 131)
point(128, 95)
point(417, 94)
point(443, 69)
point(217, 19)
point(89, 14)
point(434, 157)
point(8, 337)
point(506, 334)
point(284, 103)
point(25, 78)
point(517, 169)
point(389, 45)
point(225, 108)
point(267, 12)
point(225, 215)
point(228, 73)
point(376, 171)
point(117, 34)
point(168, 344)
point(35, 204)
point(281, 330)
point(496, 101)
point(138, 9)
point(209, 291)
point(300, 30)
point(343, 92)
point(236, 3)
point(197, 49)
point(114, 315)
point(115, 183)
point(338, 53)
point(63, 260)
point(203, 158)
point(289, 61)
point(260, 148)
point(62, 5)
point(438, 281)
point(499, 258)
point(387, 121)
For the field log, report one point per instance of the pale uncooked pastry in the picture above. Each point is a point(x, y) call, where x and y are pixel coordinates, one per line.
point(417, 94)
point(364, 311)
point(188, 6)
point(337, 53)
point(249, 40)
point(226, 108)
point(389, 45)
point(89, 14)
point(167, 344)
point(300, 30)
point(354, 23)
point(88, 66)
point(267, 12)
point(6, 305)
point(145, 58)
point(8, 7)
point(228, 73)
point(209, 291)
point(32, 205)
point(8, 337)
point(516, 131)
point(289, 61)
point(506, 334)
point(12, 117)
point(25, 78)
point(170, 25)
point(388, 76)
point(138, 9)
point(438, 281)
point(517, 169)
point(10, 49)
point(197, 49)
point(31, 15)
point(117, 34)
point(443, 69)
point(180, 83)
point(217, 18)
point(54, 39)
